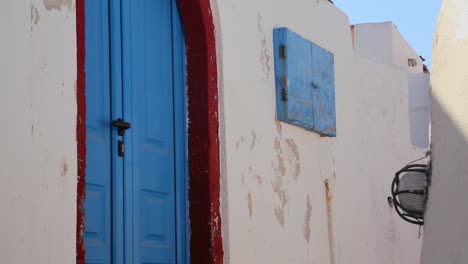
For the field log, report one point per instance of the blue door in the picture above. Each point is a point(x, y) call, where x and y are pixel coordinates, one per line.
point(135, 207)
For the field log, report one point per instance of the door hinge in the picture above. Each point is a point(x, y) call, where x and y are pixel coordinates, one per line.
point(284, 86)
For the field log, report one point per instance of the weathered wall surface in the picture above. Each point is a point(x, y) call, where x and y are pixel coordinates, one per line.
point(446, 219)
point(291, 196)
point(38, 117)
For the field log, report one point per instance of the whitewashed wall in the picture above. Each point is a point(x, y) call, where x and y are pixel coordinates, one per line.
point(374, 41)
point(289, 196)
point(38, 117)
point(419, 102)
point(384, 43)
point(446, 220)
point(276, 208)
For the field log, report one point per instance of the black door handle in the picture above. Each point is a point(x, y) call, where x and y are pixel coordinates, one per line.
point(121, 126)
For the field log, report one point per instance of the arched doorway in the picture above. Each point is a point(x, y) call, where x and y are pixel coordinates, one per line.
point(203, 143)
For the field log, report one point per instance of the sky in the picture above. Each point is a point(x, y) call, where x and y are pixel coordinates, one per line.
point(415, 19)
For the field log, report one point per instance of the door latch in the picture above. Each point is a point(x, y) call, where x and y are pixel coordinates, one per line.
point(121, 126)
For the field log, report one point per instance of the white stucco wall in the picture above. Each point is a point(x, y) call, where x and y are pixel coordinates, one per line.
point(38, 117)
point(419, 102)
point(289, 196)
point(402, 51)
point(446, 219)
point(275, 204)
point(374, 41)
point(383, 42)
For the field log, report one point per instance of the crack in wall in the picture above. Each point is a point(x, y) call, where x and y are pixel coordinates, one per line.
point(331, 237)
point(308, 215)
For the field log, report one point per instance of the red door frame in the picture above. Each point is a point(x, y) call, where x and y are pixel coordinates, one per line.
point(204, 172)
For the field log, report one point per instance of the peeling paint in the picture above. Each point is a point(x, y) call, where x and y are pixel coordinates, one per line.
point(264, 57)
point(254, 140)
point(278, 127)
point(240, 142)
point(278, 145)
point(279, 215)
point(279, 190)
point(249, 204)
point(64, 167)
point(58, 4)
point(34, 17)
point(259, 179)
point(282, 195)
point(281, 169)
point(295, 159)
point(308, 215)
point(328, 192)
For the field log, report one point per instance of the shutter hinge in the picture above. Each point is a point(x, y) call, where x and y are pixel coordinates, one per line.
point(284, 85)
point(284, 79)
point(282, 51)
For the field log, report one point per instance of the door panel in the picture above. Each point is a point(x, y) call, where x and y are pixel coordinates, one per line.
point(97, 235)
point(130, 204)
point(151, 110)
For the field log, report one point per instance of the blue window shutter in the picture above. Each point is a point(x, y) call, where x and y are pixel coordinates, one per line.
point(305, 83)
point(323, 76)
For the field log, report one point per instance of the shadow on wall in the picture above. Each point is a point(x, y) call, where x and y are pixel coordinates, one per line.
point(446, 219)
point(419, 102)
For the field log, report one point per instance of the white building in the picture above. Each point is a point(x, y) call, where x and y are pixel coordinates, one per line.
point(446, 225)
point(259, 190)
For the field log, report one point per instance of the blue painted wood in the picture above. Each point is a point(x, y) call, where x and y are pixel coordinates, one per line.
point(181, 138)
point(118, 234)
point(128, 179)
point(140, 212)
point(323, 76)
point(305, 83)
point(150, 154)
point(97, 235)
